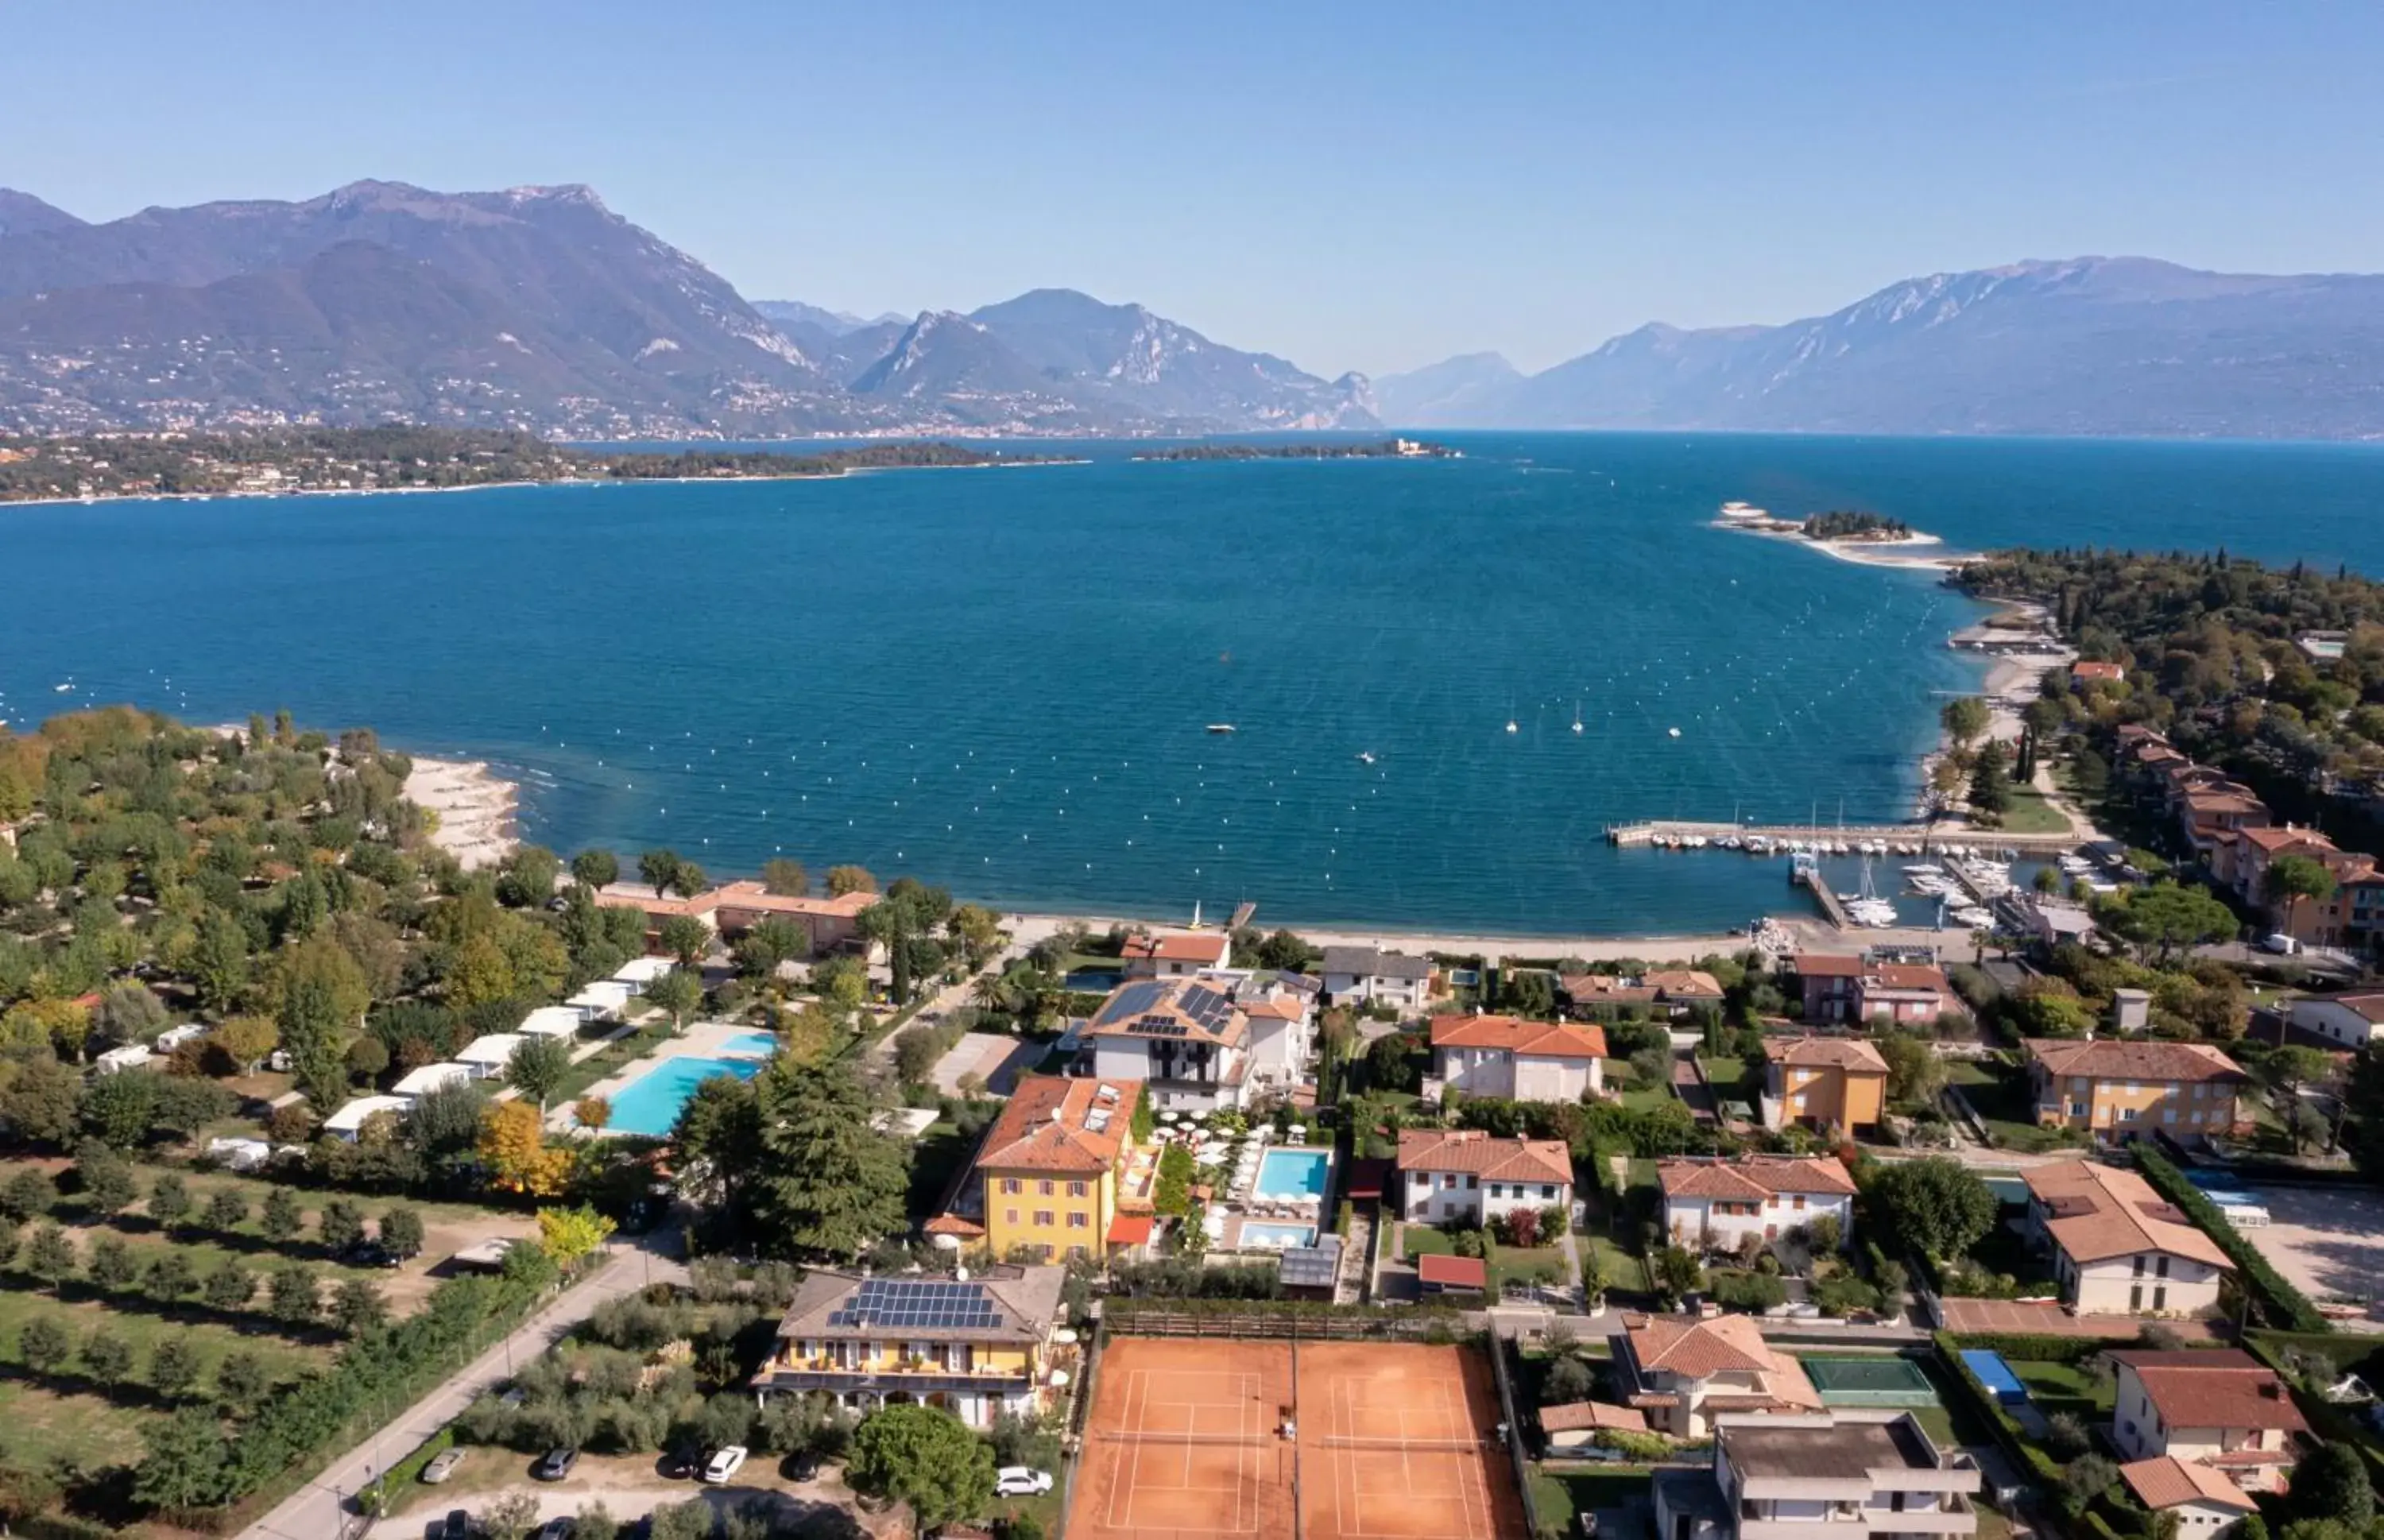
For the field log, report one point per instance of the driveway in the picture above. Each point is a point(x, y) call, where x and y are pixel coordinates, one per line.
point(2327, 1240)
point(2041, 1318)
point(993, 1057)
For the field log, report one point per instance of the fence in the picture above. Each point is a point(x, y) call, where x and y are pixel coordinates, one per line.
point(1359, 1324)
point(1499, 1348)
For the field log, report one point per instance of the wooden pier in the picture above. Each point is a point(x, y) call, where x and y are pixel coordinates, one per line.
point(1932, 840)
point(1832, 906)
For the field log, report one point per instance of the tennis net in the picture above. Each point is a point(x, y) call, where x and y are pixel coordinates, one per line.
point(1411, 1446)
point(1250, 1440)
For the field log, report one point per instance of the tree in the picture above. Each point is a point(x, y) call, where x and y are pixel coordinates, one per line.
point(50, 1256)
point(42, 1345)
point(527, 877)
point(677, 995)
point(2291, 878)
point(510, 1517)
point(30, 1194)
point(241, 1378)
point(104, 1177)
point(850, 879)
point(169, 1200)
point(230, 1288)
point(513, 1144)
point(1964, 719)
point(322, 999)
point(187, 1465)
point(685, 937)
point(2331, 1483)
point(2086, 1478)
point(1915, 1073)
point(220, 963)
point(117, 1108)
point(596, 868)
point(172, 1277)
point(785, 876)
point(658, 870)
point(1391, 1063)
point(538, 1066)
point(1937, 1204)
point(173, 1367)
point(281, 1220)
point(830, 1184)
point(401, 1232)
point(593, 1113)
point(688, 1520)
point(357, 1307)
point(42, 1102)
point(1991, 781)
point(924, 1457)
point(227, 1211)
point(128, 1013)
point(2165, 919)
point(1568, 1380)
point(2285, 1072)
point(567, 1234)
point(292, 1295)
point(596, 1522)
point(341, 1225)
point(107, 1356)
point(111, 1266)
point(1679, 1271)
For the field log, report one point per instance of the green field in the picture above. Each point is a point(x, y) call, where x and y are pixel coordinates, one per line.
point(2030, 814)
point(1562, 1492)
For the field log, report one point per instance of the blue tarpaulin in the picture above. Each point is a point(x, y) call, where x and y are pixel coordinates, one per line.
point(1995, 1374)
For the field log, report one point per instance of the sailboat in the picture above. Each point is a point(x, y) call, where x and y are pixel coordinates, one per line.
point(1576, 714)
point(1866, 908)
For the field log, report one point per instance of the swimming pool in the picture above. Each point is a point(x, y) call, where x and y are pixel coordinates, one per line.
point(650, 1104)
point(1260, 1235)
point(1292, 1173)
point(758, 1044)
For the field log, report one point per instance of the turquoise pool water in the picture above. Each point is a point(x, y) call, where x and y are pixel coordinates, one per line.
point(1293, 1173)
point(1270, 1235)
point(650, 1104)
point(759, 1044)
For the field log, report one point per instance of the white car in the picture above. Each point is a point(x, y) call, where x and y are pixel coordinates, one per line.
point(724, 1464)
point(1020, 1481)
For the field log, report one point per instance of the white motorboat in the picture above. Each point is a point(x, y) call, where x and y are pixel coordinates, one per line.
point(1221, 727)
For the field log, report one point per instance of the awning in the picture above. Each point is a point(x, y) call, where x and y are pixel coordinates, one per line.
point(1130, 1230)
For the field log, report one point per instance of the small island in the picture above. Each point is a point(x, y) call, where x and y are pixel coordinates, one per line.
point(394, 458)
point(1874, 539)
point(1847, 525)
point(1387, 449)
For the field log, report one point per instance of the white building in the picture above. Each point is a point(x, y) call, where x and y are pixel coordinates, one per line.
point(175, 1036)
point(2118, 1247)
point(2354, 1021)
point(350, 1119)
point(1469, 1177)
point(1849, 1474)
point(421, 1082)
point(1281, 1035)
point(1715, 1204)
point(131, 1055)
point(2218, 1408)
point(551, 1021)
point(1682, 1372)
point(2205, 1503)
point(1184, 1037)
point(487, 1057)
point(1369, 975)
point(604, 998)
point(1513, 1057)
point(639, 972)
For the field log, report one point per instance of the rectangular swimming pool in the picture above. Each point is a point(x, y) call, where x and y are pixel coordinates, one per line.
point(1292, 1173)
point(650, 1104)
point(760, 1045)
point(1263, 1234)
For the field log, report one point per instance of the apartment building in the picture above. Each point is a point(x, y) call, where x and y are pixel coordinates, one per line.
point(974, 1346)
point(1842, 1475)
point(1466, 1176)
point(2121, 1088)
point(1054, 1174)
point(1525, 1061)
point(1823, 1083)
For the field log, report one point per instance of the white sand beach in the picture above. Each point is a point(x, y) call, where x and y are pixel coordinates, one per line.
point(475, 808)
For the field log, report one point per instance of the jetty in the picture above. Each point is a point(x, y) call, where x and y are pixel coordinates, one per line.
point(1928, 838)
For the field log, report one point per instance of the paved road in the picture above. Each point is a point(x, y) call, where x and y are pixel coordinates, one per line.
point(314, 1512)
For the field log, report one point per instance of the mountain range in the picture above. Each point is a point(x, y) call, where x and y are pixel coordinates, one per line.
point(538, 307)
point(2088, 346)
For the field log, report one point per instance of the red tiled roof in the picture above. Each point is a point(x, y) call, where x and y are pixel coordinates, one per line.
point(1824, 965)
point(1130, 1229)
point(1913, 975)
point(1754, 1176)
point(1540, 1039)
point(1727, 1344)
point(1207, 947)
point(1029, 1136)
point(2117, 1059)
point(2169, 1482)
point(1575, 1416)
point(2101, 1212)
point(2221, 1388)
point(1476, 1153)
point(1846, 1054)
point(1685, 984)
point(2088, 670)
point(1453, 1271)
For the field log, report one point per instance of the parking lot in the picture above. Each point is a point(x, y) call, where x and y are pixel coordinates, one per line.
point(2328, 1241)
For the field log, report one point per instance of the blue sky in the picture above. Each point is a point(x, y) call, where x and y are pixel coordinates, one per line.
point(1356, 187)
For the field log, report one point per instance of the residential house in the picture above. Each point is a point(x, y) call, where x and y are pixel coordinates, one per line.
point(348, 1123)
point(1058, 1173)
point(2086, 672)
point(416, 1083)
point(1187, 1038)
point(2354, 1021)
point(1575, 1426)
point(1282, 1030)
point(2205, 1504)
point(1823, 1083)
point(2220, 1409)
point(1682, 1372)
point(1177, 953)
point(1468, 1177)
point(2120, 1088)
point(830, 924)
point(974, 1346)
point(1716, 1204)
point(1517, 1059)
point(1909, 994)
point(2346, 917)
point(1369, 975)
point(1848, 1474)
point(1685, 990)
point(2120, 1248)
point(1603, 995)
point(1830, 983)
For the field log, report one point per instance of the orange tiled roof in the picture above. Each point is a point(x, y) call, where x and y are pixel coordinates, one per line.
point(1203, 946)
point(1753, 1176)
point(2214, 1388)
point(1575, 1416)
point(2169, 1482)
point(1826, 964)
point(755, 896)
point(2117, 1059)
point(1476, 1153)
point(1049, 1124)
point(1846, 1054)
point(2101, 1212)
point(1727, 1344)
point(1540, 1039)
point(1685, 984)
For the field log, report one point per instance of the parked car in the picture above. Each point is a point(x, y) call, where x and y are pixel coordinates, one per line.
point(558, 1528)
point(802, 1467)
point(441, 1466)
point(724, 1464)
point(1020, 1481)
point(554, 1465)
point(457, 1527)
point(513, 1399)
point(370, 1254)
point(2282, 944)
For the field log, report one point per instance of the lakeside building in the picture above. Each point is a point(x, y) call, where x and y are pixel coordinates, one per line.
point(829, 923)
point(2121, 1088)
point(1518, 1060)
point(1681, 1371)
point(1466, 1176)
point(1842, 988)
point(1848, 1474)
point(974, 1346)
point(2217, 1409)
point(488, 1057)
point(2086, 671)
point(1177, 953)
point(1820, 1083)
point(2120, 1248)
point(1369, 975)
point(1716, 1204)
point(1200, 1043)
point(1058, 1173)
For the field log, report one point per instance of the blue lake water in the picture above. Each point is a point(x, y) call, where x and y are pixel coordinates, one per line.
point(999, 679)
point(650, 1104)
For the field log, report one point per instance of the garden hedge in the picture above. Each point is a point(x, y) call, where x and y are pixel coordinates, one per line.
point(2041, 1467)
point(2280, 1303)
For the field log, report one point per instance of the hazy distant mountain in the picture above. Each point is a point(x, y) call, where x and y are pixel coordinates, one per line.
point(1442, 391)
point(836, 323)
point(2094, 345)
point(22, 214)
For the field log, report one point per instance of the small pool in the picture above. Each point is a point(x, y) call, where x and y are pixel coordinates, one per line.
point(1293, 1173)
point(1094, 981)
point(1265, 1234)
point(2008, 1190)
point(650, 1104)
point(758, 1044)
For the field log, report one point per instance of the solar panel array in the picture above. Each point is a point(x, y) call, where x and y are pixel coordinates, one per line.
point(1207, 1007)
point(903, 1304)
point(1132, 1001)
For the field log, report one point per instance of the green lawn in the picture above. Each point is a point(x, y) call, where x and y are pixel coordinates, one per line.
point(2030, 814)
point(1561, 1494)
point(1422, 1241)
point(2063, 1388)
point(1729, 1074)
point(1621, 1268)
point(1511, 1262)
point(1999, 1093)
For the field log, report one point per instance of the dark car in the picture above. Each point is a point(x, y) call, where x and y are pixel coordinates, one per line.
point(681, 1464)
point(554, 1465)
point(802, 1466)
point(457, 1527)
point(371, 1253)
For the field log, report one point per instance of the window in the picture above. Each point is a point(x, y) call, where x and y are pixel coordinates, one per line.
point(1799, 1203)
point(1044, 1188)
point(1497, 1190)
point(1077, 1219)
point(2129, 1114)
point(2196, 1116)
point(1009, 1216)
point(2076, 1108)
point(1472, 1183)
point(2160, 1267)
point(2169, 1112)
point(2201, 1089)
point(1075, 1189)
point(1448, 1181)
point(1042, 1217)
point(1547, 1189)
point(1045, 1253)
point(2140, 1267)
point(1009, 1183)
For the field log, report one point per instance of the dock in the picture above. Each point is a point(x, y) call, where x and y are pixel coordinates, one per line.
point(1930, 838)
point(1832, 906)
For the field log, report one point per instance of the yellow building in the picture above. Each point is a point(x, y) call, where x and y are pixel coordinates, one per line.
point(2120, 1088)
point(1059, 1174)
point(1823, 1082)
point(973, 1346)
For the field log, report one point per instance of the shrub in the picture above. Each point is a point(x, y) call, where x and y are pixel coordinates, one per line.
point(1845, 1295)
point(1647, 1448)
point(1749, 1291)
point(2280, 1303)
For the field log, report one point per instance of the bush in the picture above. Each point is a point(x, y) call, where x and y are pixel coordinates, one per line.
point(1647, 1448)
point(2280, 1303)
point(1749, 1291)
point(1845, 1295)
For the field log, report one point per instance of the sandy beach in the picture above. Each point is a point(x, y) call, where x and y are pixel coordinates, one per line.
point(1811, 931)
point(475, 808)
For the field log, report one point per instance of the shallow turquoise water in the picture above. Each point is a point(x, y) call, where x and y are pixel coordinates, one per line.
point(999, 679)
point(762, 1044)
point(1292, 1173)
point(650, 1104)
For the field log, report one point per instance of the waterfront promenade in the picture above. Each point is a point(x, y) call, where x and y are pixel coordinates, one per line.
point(1932, 840)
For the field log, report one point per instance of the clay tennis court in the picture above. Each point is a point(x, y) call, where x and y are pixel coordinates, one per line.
point(1395, 1441)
